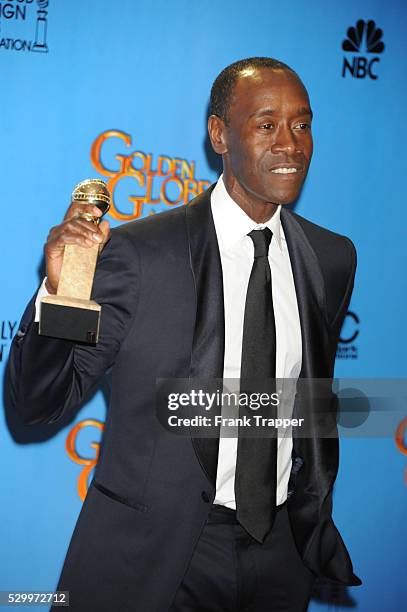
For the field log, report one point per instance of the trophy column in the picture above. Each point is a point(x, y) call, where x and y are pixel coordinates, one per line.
point(71, 314)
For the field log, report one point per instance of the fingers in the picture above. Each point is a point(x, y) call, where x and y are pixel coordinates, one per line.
point(77, 231)
point(74, 230)
point(76, 208)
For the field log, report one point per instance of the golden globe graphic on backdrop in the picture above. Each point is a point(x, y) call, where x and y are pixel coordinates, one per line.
point(74, 454)
point(154, 179)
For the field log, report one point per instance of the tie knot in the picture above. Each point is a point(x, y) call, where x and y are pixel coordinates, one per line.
point(261, 240)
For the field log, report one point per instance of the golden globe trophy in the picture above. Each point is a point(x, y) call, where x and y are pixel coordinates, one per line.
point(71, 314)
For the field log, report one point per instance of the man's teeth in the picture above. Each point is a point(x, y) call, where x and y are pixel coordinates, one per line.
point(284, 170)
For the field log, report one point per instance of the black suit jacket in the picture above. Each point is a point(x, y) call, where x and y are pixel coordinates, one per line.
point(159, 281)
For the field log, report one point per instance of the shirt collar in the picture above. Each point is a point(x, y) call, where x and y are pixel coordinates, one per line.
point(232, 223)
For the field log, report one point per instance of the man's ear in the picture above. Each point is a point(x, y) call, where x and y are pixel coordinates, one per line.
point(217, 134)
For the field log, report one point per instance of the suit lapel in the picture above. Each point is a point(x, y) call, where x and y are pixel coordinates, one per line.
point(209, 334)
point(310, 291)
point(314, 399)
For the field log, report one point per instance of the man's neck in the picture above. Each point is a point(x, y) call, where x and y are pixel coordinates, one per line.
point(258, 210)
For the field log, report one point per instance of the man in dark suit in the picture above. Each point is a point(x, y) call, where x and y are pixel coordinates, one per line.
point(232, 285)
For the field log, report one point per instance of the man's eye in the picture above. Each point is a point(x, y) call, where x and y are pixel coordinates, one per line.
point(303, 126)
point(266, 126)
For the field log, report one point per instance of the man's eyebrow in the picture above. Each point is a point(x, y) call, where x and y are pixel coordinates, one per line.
point(304, 110)
point(262, 111)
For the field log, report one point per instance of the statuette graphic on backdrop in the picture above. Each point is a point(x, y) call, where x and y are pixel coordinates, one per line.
point(24, 26)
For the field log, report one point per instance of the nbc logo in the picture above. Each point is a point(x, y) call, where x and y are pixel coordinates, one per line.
point(362, 38)
point(347, 347)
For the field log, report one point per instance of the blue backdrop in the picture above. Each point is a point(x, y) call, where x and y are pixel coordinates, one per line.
point(119, 90)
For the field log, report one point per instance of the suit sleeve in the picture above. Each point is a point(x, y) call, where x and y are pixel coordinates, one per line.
point(46, 376)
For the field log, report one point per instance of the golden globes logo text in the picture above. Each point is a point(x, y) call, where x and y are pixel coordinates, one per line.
point(161, 179)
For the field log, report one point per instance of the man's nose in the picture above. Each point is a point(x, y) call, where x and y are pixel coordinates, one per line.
point(284, 141)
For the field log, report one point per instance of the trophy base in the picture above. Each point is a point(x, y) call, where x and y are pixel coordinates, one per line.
point(70, 319)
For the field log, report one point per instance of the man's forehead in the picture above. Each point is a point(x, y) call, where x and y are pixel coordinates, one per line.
point(253, 78)
point(255, 84)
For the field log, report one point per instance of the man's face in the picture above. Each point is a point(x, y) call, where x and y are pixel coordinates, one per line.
point(268, 141)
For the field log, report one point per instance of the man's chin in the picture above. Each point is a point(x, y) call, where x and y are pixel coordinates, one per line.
point(285, 198)
point(288, 196)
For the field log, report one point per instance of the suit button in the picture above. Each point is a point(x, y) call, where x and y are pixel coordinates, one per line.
point(205, 497)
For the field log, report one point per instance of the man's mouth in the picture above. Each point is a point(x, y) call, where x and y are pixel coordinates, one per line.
point(285, 171)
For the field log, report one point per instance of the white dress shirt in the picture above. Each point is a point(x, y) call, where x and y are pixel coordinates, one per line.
point(42, 292)
point(237, 254)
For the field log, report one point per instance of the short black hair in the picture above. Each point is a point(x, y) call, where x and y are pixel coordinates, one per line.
point(222, 88)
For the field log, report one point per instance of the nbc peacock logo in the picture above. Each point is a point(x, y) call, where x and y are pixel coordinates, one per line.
point(363, 38)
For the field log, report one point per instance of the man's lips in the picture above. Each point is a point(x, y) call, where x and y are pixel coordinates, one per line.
point(287, 172)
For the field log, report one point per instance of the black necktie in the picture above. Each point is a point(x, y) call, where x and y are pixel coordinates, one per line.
point(256, 464)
